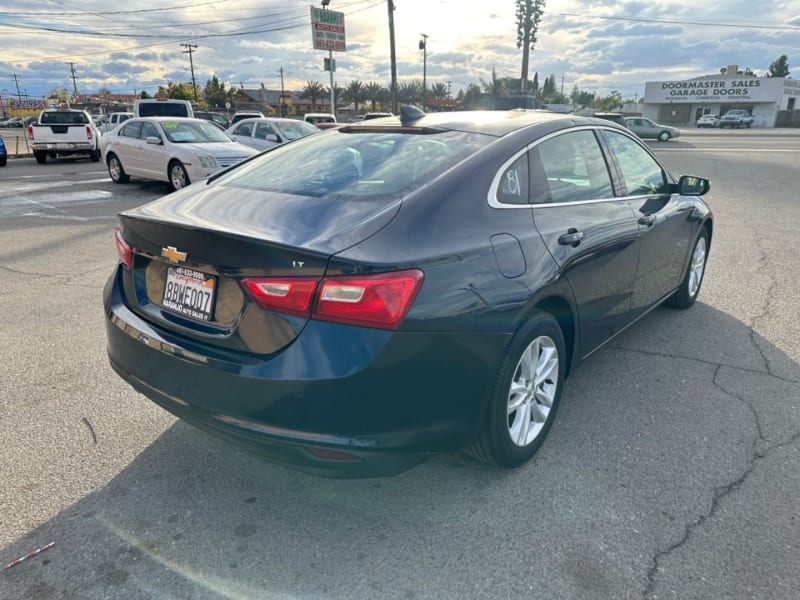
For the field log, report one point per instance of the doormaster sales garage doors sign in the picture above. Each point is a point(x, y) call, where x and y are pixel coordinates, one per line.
point(714, 89)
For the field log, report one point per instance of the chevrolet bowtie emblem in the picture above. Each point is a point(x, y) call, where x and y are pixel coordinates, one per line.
point(172, 254)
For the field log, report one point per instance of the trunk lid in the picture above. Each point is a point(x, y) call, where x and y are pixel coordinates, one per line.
point(203, 240)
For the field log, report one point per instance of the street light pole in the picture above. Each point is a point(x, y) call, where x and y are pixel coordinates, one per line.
point(423, 45)
point(393, 58)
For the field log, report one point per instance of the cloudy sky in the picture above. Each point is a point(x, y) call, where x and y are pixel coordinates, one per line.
point(599, 46)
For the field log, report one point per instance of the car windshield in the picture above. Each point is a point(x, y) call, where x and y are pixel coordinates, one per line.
point(293, 130)
point(193, 132)
point(357, 164)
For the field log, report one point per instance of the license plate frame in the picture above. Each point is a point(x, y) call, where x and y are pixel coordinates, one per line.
point(190, 293)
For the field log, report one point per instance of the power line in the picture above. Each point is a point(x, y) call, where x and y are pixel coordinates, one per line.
point(773, 27)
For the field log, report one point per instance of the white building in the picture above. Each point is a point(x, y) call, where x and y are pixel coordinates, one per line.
point(681, 103)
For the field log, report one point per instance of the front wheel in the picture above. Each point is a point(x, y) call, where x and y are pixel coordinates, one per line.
point(687, 293)
point(664, 136)
point(178, 178)
point(526, 395)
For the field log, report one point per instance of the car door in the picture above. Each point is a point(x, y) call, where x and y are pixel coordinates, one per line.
point(665, 220)
point(125, 146)
point(243, 134)
point(266, 136)
point(152, 157)
point(590, 232)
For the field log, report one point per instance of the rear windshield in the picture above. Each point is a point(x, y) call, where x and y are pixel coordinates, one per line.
point(356, 164)
point(65, 117)
point(163, 109)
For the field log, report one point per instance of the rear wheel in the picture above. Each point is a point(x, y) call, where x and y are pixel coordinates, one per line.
point(526, 395)
point(178, 178)
point(687, 293)
point(664, 136)
point(41, 157)
point(115, 170)
point(94, 155)
point(3, 161)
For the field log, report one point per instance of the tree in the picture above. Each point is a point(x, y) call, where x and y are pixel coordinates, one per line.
point(312, 91)
point(354, 93)
point(609, 103)
point(215, 94)
point(337, 92)
point(535, 84)
point(581, 98)
point(471, 98)
point(529, 13)
point(779, 67)
point(440, 91)
point(409, 92)
point(375, 93)
point(178, 91)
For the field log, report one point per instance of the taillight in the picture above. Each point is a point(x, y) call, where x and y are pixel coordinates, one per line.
point(88, 132)
point(380, 301)
point(123, 250)
point(30, 132)
point(291, 295)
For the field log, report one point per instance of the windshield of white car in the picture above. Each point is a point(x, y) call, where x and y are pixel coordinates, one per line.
point(193, 132)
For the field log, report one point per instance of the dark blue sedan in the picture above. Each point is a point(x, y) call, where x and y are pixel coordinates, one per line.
point(3, 153)
point(354, 301)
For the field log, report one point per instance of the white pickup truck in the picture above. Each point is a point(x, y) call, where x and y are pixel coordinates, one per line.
point(114, 120)
point(62, 132)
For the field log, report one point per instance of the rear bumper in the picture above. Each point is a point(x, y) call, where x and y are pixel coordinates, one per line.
point(339, 401)
point(62, 147)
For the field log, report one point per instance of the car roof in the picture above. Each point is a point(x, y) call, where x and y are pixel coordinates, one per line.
point(491, 122)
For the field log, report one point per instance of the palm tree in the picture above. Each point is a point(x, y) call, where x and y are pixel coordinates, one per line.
point(337, 93)
point(312, 91)
point(355, 93)
point(409, 92)
point(375, 92)
point(439, 91)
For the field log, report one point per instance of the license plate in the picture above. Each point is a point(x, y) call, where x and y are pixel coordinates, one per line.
point(189, 293)
point(65, 146)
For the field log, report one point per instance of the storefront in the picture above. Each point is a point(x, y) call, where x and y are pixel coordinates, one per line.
point(681, 103)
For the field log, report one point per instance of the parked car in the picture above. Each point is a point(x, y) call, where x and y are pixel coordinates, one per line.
point(352, 302)
point(321, 120)
point(708, 120)
point(150, 107)
point(176, 150)
point(736, 118)
point(3, 153)
point(246, 114)
point(617, 118)
point(13, 122)
point(214, 117)
point(114, 120)
point(267, 132)
point(647, 129)
point(376, 115)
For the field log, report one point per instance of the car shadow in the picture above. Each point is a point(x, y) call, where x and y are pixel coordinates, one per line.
point(651, 428)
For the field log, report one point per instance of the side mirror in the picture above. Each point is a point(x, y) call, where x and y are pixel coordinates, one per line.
point(153, 139)
point(271, 137)
point(689, 185)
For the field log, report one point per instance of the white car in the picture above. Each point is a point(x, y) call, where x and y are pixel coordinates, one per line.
point(265, 133)
point(708, 120)
point(177, 150)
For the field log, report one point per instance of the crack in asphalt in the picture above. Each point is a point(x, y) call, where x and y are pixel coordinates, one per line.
point(721, 492)
point(763, 262)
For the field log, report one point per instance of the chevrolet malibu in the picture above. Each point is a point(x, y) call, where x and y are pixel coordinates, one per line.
point(177, 150)
point(358, 300)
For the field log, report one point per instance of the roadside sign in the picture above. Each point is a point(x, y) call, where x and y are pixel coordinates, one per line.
point(327, 29)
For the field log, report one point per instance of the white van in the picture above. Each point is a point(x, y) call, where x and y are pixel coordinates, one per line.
point(162, 108)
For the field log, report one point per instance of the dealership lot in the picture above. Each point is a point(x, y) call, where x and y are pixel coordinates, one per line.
point(672, 470)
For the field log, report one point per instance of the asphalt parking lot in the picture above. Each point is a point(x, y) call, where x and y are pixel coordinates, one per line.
point(672, 470)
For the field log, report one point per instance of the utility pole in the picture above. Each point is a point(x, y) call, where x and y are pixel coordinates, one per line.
point(190, 48)
point(283, 109)
point(423, 45)
point(74, 79)
point(393, 58)
point(19, 95)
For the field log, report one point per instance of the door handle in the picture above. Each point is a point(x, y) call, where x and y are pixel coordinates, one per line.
point(647, 220)
point(572, 238)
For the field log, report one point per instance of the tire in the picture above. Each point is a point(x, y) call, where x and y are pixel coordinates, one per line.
point(41, 157)
point(3, 161)
point(687, 293)
point(531, 377)
point(177, 175)
point(115, 170)
point(94, 155)
point(664, 136)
